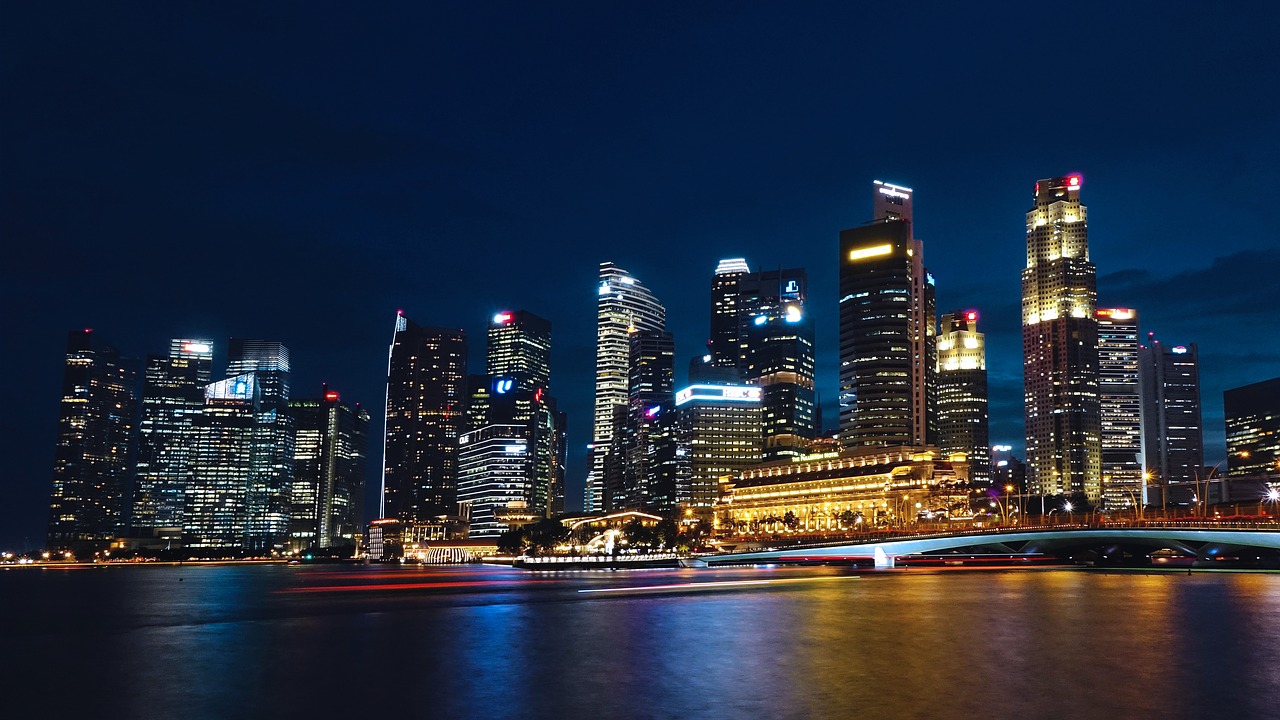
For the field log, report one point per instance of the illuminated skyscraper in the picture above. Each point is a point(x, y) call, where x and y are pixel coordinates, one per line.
point(1253, 428)
point(426, 403)
point(267, 494)
point(887, 314)
point(1172, 436)
point(223, 464)
point(1060, 345)
point(1120, 403)
point(91, 459)
point(651, 391)
point(726, 312)
point(776, 354)
point(172, 399)
point(330, 452)
point(519, 350)
point(962, 393)
point(623, 304)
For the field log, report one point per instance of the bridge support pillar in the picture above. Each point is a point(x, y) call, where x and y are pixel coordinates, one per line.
point(884, 561)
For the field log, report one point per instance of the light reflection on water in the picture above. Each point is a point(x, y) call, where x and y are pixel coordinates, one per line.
point(234, 641)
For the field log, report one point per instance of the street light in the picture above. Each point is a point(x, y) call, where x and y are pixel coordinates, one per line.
point(1067, 507)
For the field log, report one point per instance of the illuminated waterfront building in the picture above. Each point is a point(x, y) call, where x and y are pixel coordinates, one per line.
point(623, 305)
point(1007, 469)
point(519, 350)
point(495, 469)
point(331, 448)
point(887, 315)
point(720, 431)
point(91, 460)
point(271, 474)
point(1253, 428)
point(1060, 345)
point(725, 312)
point(1120, 407)
point(1173, 442)
point(651, 390)
point(172, 400)
point(962, 392)
point(425, 414)
point(832, 492)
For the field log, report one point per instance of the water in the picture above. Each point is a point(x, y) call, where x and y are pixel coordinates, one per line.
point(483, 642)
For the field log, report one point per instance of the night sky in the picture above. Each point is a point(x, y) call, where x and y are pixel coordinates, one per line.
point(298, 172)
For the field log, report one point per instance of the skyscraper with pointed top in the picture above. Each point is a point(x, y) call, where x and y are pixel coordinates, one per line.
point(1060, 344)
point(623, 305)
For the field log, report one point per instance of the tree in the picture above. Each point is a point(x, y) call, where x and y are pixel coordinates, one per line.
point(511, 542)
point(545, 535)
point(790, 521)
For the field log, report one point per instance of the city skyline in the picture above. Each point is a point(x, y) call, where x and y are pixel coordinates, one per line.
point(352, 224)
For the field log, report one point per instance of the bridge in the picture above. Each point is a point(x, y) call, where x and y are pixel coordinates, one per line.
point(1200, 544)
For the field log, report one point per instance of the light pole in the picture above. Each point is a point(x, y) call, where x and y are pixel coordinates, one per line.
point(1207, 479)
point(1067, 507)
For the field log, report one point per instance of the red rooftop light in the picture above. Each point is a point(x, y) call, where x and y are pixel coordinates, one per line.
point(331, 395)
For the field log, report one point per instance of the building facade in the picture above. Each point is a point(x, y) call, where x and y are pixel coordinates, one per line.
point(1253, 428)
point(1060, 344)
point(331, 450)
point(623, 305)
point(172, 400)
point(425, 414)
point(962, 417)
point(1173, 443)
point(271, 473)
point(216, 512)
point(720, 432)
point(887, 329)
point(92, 460)
point(1120, 407)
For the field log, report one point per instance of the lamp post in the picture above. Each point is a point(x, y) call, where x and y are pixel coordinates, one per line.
point(1207, 479)
point(1067, 507)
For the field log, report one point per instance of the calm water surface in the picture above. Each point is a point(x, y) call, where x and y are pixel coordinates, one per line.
point(487, 642)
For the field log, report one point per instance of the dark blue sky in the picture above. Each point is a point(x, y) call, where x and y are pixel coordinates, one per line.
point(301, 171)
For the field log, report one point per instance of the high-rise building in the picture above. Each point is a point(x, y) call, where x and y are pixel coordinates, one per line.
point(223, 462)
point(776, 354)
point(271, 475)
point(519, 350)
point(1120, 407)
point(1060, 345)
point(172, 400)
point(1253, 428)
point(725, 312)
point(426, 412)
point(92, 457)
point(494, 471)
point(887, 332)
point(720, 432)
point(624, 305)
point(1173, 443)
point(330, 454)
point(962, 393)
point(651, 389)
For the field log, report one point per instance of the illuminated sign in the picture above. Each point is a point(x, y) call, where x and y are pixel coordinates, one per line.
point(896, 191)
point(1115, 313)
point(331, 395)
point(502, 318)
point(731, 393)
point(869, 252)
point(651, 412)
point(971, 316)
point(791, 289)
point(196, 347)
point(1074, 181)
point(502, 386)
point(1180, 350)
point(514, 449)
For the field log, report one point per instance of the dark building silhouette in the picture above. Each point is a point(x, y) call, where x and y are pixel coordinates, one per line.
point(1253, 428)
point(425, 414)
point(91, 470)
point(1173, 438)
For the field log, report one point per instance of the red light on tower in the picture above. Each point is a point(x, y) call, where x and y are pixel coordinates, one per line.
point(502, 318)
point(331, 396)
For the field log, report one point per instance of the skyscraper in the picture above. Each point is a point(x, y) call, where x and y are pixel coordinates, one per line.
point(720, 431)
point(271, 475)
point(962, 393)
point(330, 453)
point(1120, 405)
point(1060, 344)
point(172, 399)
point(91, 459)
point(519, 350)
point(1253, 428)
point(1172, 436)
point(887, 314)
point(426, 403)
point(623, 304)
point(224, 460)
point(651, 390)
point(726, 312)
